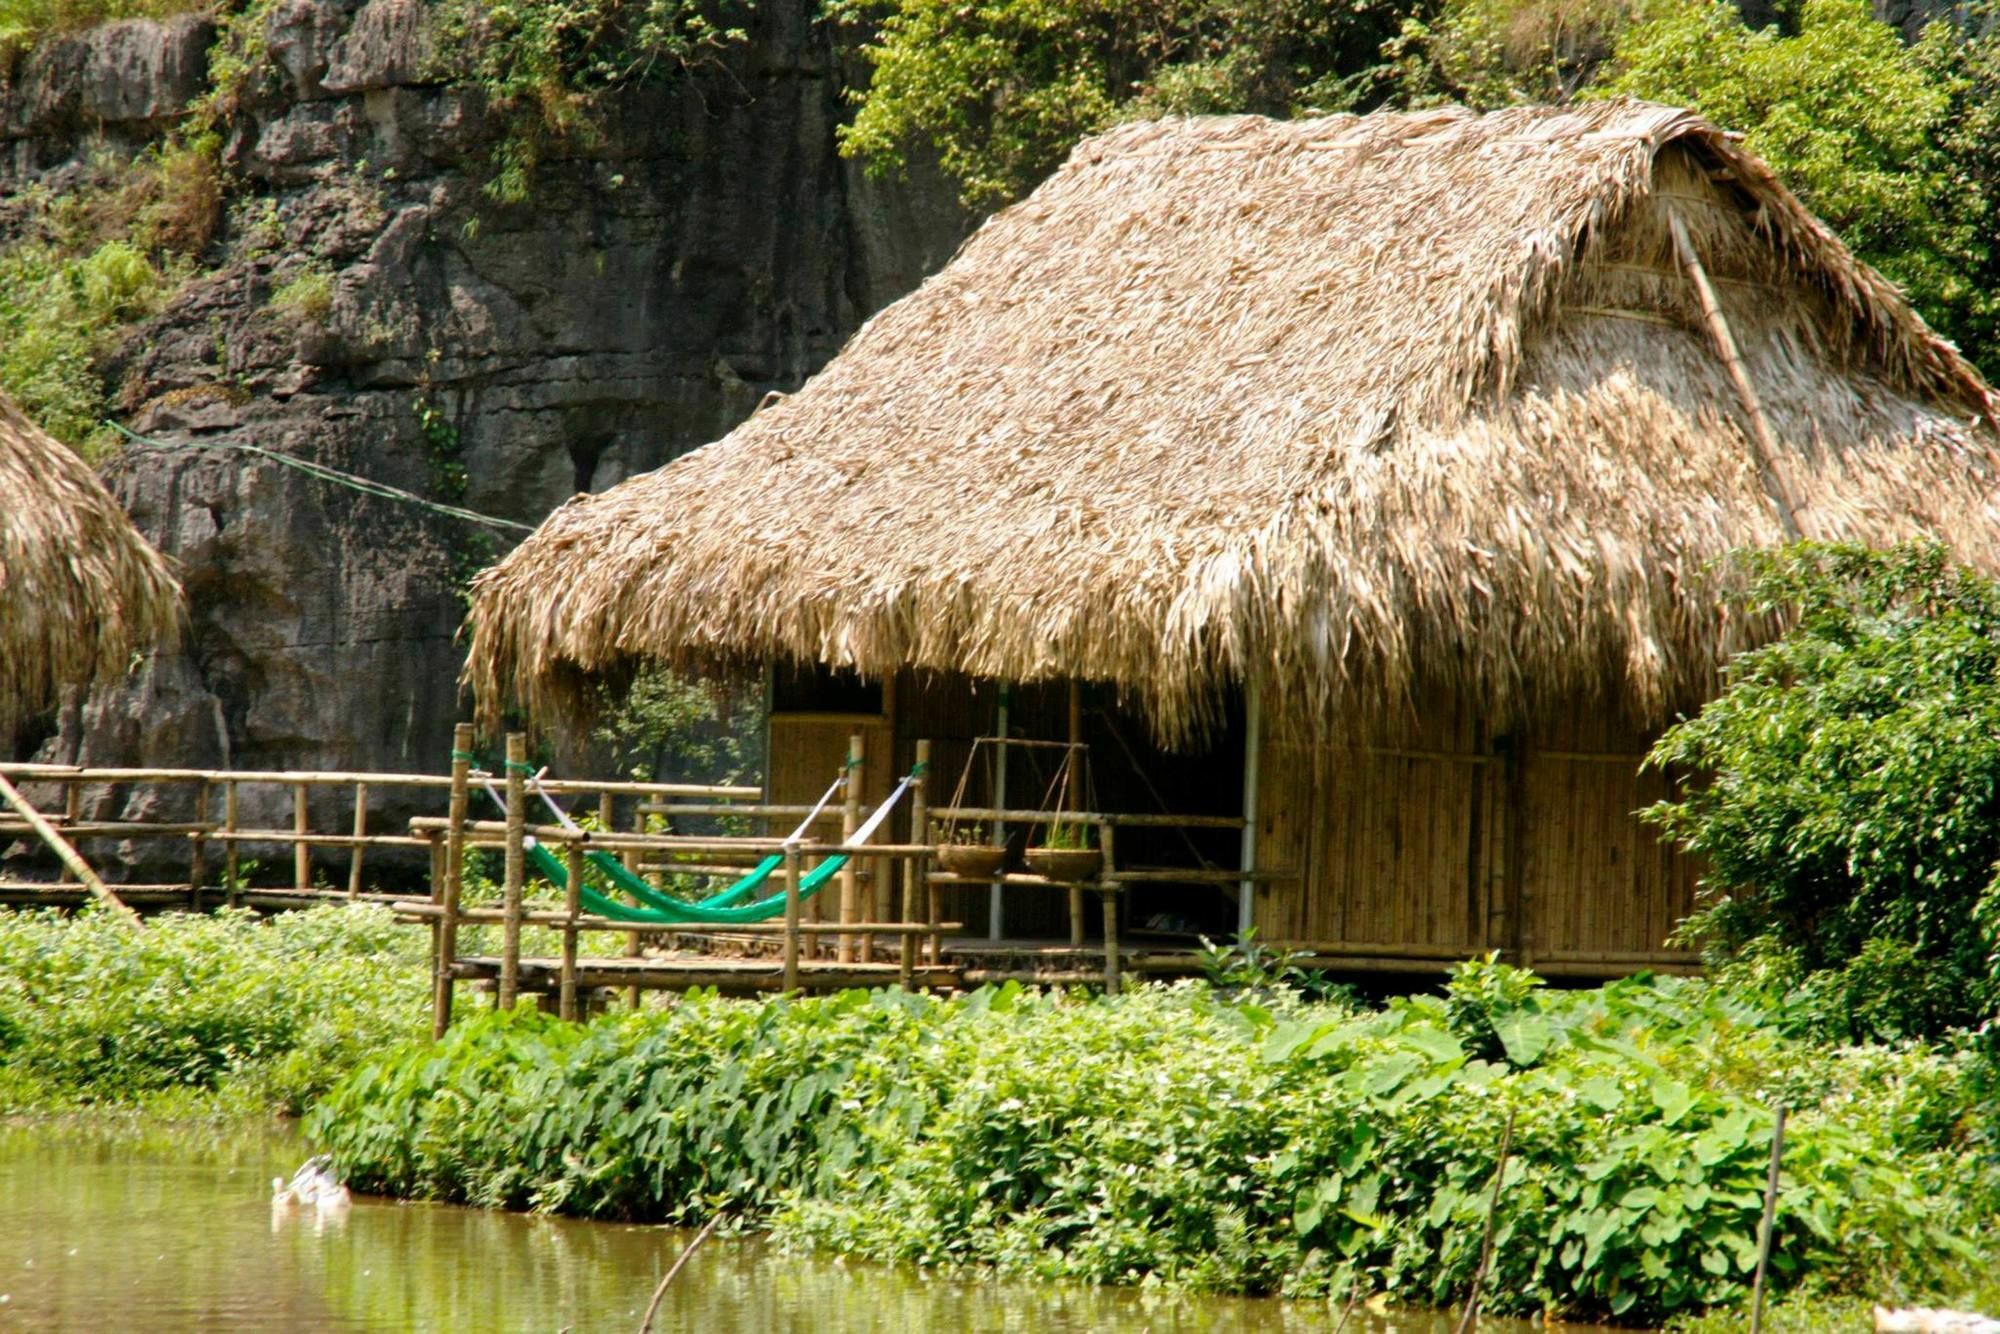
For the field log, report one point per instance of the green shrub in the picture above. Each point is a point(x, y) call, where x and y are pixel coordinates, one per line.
point(56, 311)
point(266, 1014)
point(24, 22)
point(1002, 91)
point(1171, 1136)
point(548, 66)
point(308, 295)
point(1848, 804)
point(1890, 142)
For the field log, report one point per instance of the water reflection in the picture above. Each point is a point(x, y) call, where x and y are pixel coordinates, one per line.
point(154, 1229)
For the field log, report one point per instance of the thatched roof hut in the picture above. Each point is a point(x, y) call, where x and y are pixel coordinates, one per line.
point(80, 590)
point(1350, 408)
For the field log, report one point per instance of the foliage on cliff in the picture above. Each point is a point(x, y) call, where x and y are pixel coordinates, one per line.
point(1893, 143)
point(1849, 805)
point(1003, 91)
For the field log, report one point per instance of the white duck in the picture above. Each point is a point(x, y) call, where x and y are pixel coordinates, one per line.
point(313, 1186)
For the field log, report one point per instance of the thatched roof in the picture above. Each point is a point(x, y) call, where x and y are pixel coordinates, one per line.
point(1349, 405)
point(80, 590)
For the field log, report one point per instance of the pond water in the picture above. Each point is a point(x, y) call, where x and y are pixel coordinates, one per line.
point(147, 1228)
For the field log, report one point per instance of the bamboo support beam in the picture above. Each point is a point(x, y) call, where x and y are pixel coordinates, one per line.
point(1071, 797)
point(850, 820)
point(791, 919)
point(198, 853)
point(341, 778)
point(66, 854)
point(302, 827)
point(572, 905)
point(915, 883)
point(635, 942)
point(360, 839)
point(231, 869)
point(517, 822)
point(1122, 820)
point(1763, 445)
point(1107, 890)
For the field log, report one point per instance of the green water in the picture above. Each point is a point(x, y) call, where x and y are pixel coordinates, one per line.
point(110, 1228)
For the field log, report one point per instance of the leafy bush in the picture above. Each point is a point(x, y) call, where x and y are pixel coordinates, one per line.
point(308, 295)
point(1891, 143)
point(1169, 1135)
point(1002, 91)
point(1849, 800)
point(267, 1014)
point(548, 65)
point(23, 22)
point(55, 313)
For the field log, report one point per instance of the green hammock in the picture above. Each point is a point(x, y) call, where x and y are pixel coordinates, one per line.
point(667, 910)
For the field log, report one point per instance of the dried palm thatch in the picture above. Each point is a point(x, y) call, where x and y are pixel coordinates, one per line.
point(80, 590)
point(1351, 407)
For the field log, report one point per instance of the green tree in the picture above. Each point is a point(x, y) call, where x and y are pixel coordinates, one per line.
point(1002, 90)
point(1891, 143)
point(1847, 789)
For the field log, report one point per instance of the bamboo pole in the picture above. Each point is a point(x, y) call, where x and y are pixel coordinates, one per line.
point(517, 824)
point(791, 919)
point(634, 941)
point(572, 905)
point(198, 852)
point(995, 910)
point(302, 825)
point(67, 854)
point(1107, 889)
point(73, 801)
point(850, 820)
point(360, 837)
point(915, 881)
point(1072, 757)
point(231, 873)
point(446, 895)
point(1763, 445)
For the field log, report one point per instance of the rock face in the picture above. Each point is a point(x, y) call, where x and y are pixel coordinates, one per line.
point(711, 248)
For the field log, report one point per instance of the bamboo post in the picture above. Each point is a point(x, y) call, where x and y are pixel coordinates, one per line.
point(1765, 1225)
point(231, 875)
point(635, 943)
point(73, 800)
point(446, 893)
point(301, 850)
point(1107, 889)
point(198, 854)
point(916, 870)
point(77, 866)
point(360, 832)
point(1072, 757)
point(791, 919)
point(572, 903)
point(850, 820)
point(1763, 446)
point(517, 827)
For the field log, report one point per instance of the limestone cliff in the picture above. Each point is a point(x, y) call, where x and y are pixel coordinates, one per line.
point(713, 247)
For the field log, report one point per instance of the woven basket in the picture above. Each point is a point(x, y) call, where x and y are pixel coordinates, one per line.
point(974, 861)
point(1069, 865)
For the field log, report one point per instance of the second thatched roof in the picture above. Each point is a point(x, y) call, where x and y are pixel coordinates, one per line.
point(1344, 406)
point(80, 589)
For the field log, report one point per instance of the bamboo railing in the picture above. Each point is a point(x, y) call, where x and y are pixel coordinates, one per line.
point(873, 938)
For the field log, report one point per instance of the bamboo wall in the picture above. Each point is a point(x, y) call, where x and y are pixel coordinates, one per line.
point(1432, 840)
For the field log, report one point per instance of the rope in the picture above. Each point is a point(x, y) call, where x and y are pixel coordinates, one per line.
point(325, 474)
